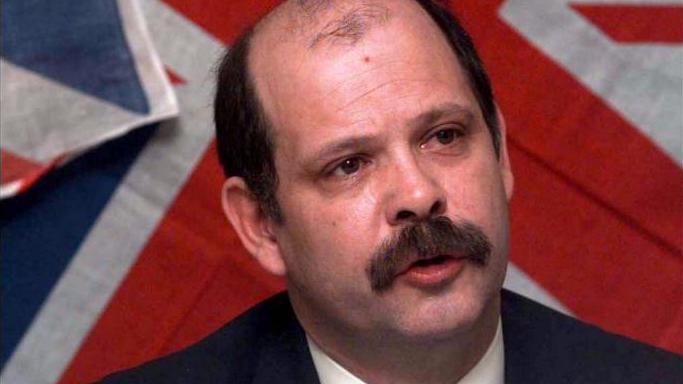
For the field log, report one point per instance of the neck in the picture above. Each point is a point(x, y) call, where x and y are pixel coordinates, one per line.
point(379, 359)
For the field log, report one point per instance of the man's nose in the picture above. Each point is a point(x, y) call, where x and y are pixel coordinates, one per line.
point(414, 195)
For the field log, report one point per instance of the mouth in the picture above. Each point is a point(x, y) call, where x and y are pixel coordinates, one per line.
point(427, 262)
point(438, 260)
point(432, 271)
point(431, 251)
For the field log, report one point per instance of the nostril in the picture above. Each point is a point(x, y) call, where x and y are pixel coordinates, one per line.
point(436, 208)
point(405, 215)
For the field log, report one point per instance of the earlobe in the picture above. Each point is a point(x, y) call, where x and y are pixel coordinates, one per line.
point(252, 225)
point(504, 159)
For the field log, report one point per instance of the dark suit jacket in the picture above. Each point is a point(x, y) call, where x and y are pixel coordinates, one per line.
point(267, 345)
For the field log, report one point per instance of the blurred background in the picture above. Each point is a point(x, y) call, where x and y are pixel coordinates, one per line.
point(114, 248)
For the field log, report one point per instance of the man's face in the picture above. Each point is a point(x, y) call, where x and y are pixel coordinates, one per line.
point(369, 139)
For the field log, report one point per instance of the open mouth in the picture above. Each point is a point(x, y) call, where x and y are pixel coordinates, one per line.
point(431, 261)
point(432, 272)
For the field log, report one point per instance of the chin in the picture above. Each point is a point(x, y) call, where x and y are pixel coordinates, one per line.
point(456, 311)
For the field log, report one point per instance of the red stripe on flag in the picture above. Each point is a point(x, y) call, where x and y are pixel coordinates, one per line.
point(600, 266)
point(636, 23)
point(15, 167)
point(173, 77)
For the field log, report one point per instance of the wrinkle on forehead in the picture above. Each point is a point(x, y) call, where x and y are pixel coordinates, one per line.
point(352, 25)
point(367, 92)
point(318, 21)
point(312, 7)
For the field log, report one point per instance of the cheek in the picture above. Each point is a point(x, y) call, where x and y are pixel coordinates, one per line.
point(360, 213)
point(495, 222)
point(319, 218)
point(328, 238)
point(479, 196)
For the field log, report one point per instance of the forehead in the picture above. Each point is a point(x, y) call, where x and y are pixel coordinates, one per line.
point(353, 74)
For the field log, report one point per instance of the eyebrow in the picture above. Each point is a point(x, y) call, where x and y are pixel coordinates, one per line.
point(353, 143)
point(437, 113)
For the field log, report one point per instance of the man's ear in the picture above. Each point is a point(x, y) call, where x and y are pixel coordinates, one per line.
point(252, 225)
point(504, 159)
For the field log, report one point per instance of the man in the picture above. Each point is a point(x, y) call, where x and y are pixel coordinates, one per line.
point(367, 164)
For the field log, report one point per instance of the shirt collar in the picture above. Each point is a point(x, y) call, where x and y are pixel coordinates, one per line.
point(489, 370)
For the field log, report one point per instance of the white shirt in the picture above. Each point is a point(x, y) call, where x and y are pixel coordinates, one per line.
point(489, 370)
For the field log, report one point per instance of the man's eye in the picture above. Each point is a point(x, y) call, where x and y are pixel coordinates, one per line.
point(445, 136)
point(348, 166)
point(441, 138)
